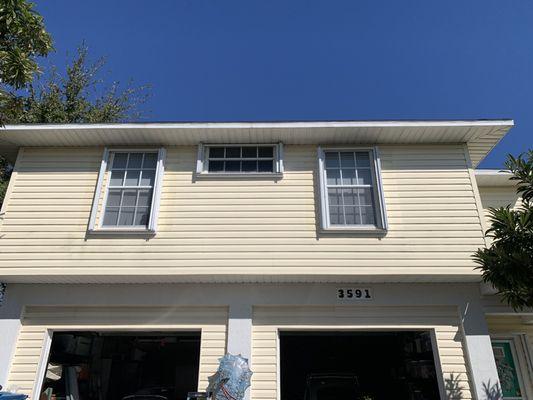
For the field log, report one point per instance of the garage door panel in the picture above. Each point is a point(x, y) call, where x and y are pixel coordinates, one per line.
point(211, 321)
point(268, 320)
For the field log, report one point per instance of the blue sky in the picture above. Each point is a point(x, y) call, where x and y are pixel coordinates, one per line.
point(242, 60)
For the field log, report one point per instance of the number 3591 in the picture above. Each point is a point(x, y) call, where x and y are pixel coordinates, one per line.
point(354, 294)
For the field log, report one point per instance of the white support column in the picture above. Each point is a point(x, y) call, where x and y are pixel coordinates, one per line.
point(483, 372)
point(240, 333)
point(240, 330)
point(10, 312)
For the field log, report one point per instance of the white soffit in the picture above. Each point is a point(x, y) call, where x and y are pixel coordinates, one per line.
point(480, 135)
point(493, 177)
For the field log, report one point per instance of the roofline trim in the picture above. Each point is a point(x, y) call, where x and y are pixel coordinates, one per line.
point(252, 125)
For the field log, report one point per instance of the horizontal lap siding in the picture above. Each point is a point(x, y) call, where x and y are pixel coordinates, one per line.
point(498, 197)
point(242, 225)
point(268, 320)
point(211, 321)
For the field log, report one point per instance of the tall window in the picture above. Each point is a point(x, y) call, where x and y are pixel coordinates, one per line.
point(242, 159)
point(350, 189)
point(130, 190)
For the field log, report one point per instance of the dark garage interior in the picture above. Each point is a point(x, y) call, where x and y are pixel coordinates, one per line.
point(113, 366)
point(357, 366)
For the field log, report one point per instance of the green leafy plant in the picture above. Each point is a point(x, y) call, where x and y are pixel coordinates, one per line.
point(508, 262)
point(78, 96)
point(23, 38)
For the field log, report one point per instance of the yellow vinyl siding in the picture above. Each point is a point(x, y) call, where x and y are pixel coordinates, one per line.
point(268, 320)
point(498, 196)
point(211, 321)
point(242, 226)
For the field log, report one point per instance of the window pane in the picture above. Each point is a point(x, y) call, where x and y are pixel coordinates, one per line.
point(265, 151)
point(119, 160)
point(150, 160)
point(132, 178)
point(110, 217)
point(334, 197)
point(363, 159)
point(352, 215)
point(145, 197)
point(265, 166)
point(249, 166)
point(349, 197)
point(113, 198)
point(135, 160)
point(129, 198)
point(147, 178)
point(365, 197)
point(249, 152)
point(332, 159)
point(333, 177)
point(348, 177)
point(335, 215)
point(233, 166)
point(216, 152)
point(141, 217)
point(233, 152)
point(368, 216)
point(347, 159)
point(216, 166)
point(364, 177)
point(117, 177)
point(126, 216)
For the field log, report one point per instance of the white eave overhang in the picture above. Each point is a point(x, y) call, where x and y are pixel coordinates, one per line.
point(479, 135)
point(493, 177)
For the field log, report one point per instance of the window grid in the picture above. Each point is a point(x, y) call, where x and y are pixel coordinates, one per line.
point(143, 166)
point(243, 162)
point(357, 164)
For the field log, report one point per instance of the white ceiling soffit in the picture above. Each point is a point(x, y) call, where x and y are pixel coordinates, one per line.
point(480, 135)
point(494, 177)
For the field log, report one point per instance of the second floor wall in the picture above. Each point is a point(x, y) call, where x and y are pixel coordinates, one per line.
point(237, 228)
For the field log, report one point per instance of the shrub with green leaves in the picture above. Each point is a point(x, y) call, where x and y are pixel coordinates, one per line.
point(508, 262)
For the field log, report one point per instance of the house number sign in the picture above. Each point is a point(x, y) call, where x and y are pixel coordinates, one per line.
point(354, 294)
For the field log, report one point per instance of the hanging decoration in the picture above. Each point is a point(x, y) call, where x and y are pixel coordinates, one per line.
point(231, 379)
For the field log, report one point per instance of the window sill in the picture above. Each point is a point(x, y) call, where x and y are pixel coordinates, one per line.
point(122, 231)
point(254, 175)
point(363, 231)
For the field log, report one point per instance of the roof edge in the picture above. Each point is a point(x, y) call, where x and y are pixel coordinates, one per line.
point(265, 124)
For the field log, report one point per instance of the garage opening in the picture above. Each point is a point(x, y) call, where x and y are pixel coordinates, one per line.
point(115, 366)
point(357, 366)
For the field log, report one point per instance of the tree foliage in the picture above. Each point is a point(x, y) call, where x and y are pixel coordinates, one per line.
point(23, 38)
point(508, 262)
point(78, 96)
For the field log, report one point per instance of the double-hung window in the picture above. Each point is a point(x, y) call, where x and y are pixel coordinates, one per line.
point(351, 191)
point(131, 196)
point(244, 159)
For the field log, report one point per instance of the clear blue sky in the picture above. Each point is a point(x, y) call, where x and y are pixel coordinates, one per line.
point(242, 60)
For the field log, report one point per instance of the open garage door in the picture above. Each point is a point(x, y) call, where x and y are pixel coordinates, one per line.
point(357, 366)
point(115, 366)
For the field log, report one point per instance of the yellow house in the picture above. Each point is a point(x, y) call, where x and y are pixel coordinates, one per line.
point(335, 256)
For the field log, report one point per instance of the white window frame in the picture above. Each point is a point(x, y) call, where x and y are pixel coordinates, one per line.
point(156, 196)
point(202, 163)
point(379, 200)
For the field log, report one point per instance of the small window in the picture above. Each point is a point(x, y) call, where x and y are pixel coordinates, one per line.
point(240, 159)
point(131, 198)
point(350, 188)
